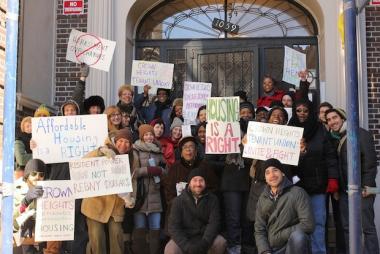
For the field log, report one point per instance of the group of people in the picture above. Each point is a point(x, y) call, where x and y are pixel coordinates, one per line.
point(187, 201)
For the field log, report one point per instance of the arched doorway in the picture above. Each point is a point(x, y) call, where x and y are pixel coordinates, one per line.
point(181, 32)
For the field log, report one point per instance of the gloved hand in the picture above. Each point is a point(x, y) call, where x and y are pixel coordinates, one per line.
point(332, 186)
point(109, 153)
point(84, 70)
point(32, 194)
point(155, 171)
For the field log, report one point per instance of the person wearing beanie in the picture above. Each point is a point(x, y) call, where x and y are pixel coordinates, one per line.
point(317, 167)
point(26, 193)
point(336, 120)
point(170, 144)
point(261, 114)
point(160, 108)
point(42, 111)
point(247, 113)
point(70, 108)
point(194, 222)
point(94, 105)
point(285, 226)
point(23, 153)
point(148, 151)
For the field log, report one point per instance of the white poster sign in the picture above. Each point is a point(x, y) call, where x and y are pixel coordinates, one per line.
point(186, 130)
point(223, 109)
point(195, 95)
point(55, 214)
point(90, 49)
point(99, 176)
point(66, 138)
point(294, 62)
point(155, 74)
point(265, 141)
point(222, 137)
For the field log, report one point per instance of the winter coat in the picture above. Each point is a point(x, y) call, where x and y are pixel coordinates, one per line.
point(168, 148)
point(318, 164)
point(265, 101)
point(191, 221)
point(368, 160)
point(102, 208)
point(78, 95)
point(59, 171)
point(144, 152)
point(277, 218)
point(234, 177)
point(22, 151)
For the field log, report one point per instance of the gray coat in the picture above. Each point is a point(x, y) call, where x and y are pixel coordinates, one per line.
point(152, 202)
point(277, 218)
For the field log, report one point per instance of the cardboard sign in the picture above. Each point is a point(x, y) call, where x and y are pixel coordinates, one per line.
point(155, 74)
point(294, 62)
point(265, 141)
point(100, 176)
point(195, 95)
point(222, 138)
point(66, 138)
point(90, 49)
point(223, 109)
point(73, 7)
point(55, 212)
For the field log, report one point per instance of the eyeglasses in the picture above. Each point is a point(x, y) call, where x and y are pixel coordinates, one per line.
point(188, 147)
point(115, 115)
point(302, 111)
point(35, 173)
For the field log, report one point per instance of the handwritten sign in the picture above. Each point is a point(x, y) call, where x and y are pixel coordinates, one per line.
point(186, 130)
point(155, 74)
point(100, 176)
point(195, 95)
point(90, 49)
point(223, 109)
point(266, 141)
point(222, 138)
point(55, 212)
point(65, 138)
point(294, 62)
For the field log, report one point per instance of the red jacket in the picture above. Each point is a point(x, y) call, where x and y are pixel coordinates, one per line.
point(265, 101)
point(168, 150)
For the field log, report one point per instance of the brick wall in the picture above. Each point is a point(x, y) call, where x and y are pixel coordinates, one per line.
point(373, 64)
point(66, 72)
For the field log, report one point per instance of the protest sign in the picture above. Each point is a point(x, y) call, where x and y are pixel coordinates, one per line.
point(223, 109)
point(222, 138)
point(90, 49)
point(65, 138)
point(195, 95)
point(294, 62)
point(100, 176)
point(186, 130)
point(55, 212)
point(155, 74)
point(265, 141)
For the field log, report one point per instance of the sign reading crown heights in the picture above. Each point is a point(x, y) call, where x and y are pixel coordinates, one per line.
point(223, 128)
point(55, 212)
point(294, 62)
point(66, 138)
point(155, 74)
point(73, 7)
point(265, 141)
point(90, 49)
point(99, 176)
point(195, 95)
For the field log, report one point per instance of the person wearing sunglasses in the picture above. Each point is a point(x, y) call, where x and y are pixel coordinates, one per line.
point(27, 191)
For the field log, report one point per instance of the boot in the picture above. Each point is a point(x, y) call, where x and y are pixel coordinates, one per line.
point(154, 241)
point(139, 245)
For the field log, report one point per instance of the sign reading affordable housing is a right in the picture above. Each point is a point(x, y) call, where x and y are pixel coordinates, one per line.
point(265, 141)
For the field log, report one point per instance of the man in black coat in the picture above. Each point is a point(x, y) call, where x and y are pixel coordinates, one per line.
point(336, 120)
point(194, 220)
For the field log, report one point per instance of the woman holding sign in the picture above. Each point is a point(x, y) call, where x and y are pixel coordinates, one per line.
point(317, 167)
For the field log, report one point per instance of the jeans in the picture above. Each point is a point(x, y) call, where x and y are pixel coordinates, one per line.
point(298, 243)
point(318, 203)
point(371, 244)
point(339, 233)
point(218, 247)
point(239, 230)
point(154, 220)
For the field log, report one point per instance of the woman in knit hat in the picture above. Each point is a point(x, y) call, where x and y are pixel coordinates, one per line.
point(170, 143)
point(114, 118)
point(148, 217)
point(42, 111)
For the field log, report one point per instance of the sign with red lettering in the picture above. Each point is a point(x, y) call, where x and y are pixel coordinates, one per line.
point(222, 137)
point(375, 2)
point(195, 95)
point(265, 141)
point(73, 7)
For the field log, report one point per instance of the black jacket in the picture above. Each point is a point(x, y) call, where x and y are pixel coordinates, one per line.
point(190, 223)
point(318, 164)
point(368, 160)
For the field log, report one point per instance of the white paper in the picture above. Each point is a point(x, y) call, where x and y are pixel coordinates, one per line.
point(155, 74)
point(294, 62)
point(186, 130)
point(222, 138)
point(195, 95)
point(66, 138)
point(180, 187)
point(223, 109)
point(90, 49)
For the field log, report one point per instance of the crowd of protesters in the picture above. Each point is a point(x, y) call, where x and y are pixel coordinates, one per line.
point(186, 201)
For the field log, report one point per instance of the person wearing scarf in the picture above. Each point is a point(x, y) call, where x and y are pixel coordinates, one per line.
point(317, 167)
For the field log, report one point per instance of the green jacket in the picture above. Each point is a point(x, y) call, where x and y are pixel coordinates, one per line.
point(277, 218)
